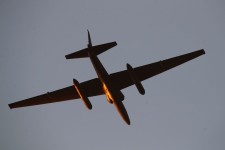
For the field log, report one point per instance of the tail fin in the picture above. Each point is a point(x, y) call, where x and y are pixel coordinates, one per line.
point(98, 49)
point(89, 40)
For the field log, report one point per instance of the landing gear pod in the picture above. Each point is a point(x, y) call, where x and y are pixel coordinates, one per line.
point(135, 80)
point(83, 97)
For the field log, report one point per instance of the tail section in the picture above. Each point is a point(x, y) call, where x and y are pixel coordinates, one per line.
point(89, 40)
point(97, 49)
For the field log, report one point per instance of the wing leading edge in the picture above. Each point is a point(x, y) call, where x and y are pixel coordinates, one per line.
point(120, 79)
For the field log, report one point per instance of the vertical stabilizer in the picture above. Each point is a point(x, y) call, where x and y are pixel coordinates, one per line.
point(89, 39)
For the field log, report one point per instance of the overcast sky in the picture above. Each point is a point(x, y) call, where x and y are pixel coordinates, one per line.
point(182, 109)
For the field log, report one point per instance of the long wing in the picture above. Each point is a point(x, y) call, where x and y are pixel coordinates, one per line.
point(90, 88)
point(120, 79)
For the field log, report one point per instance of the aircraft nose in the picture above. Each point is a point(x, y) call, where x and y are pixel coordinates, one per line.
point(122, 111)
point(128, 121)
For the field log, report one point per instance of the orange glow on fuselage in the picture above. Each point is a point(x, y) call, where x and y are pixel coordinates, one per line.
point(107, 93)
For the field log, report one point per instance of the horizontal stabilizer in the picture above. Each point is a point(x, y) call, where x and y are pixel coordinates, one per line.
point(98, 49)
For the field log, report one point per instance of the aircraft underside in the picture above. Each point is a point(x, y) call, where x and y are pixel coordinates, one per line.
point(107, 84)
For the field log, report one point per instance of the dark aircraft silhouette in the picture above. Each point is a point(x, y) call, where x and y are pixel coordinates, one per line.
point(108, 84)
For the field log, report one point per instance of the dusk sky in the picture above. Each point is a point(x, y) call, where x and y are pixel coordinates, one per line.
point(183, 108)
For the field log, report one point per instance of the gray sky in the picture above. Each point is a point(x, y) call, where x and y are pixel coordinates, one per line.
point(36, 35)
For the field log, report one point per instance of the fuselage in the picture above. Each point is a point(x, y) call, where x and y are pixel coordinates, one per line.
point(114, 95)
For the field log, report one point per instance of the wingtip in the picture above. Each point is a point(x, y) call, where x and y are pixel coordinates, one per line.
point(203, 51)
point(66, 56)
point(10, 106)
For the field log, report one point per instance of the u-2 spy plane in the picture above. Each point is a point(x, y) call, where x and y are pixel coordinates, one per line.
point(108, 84)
